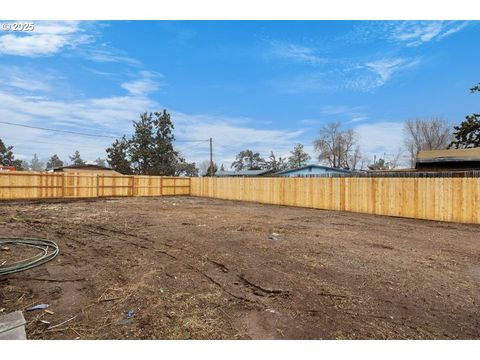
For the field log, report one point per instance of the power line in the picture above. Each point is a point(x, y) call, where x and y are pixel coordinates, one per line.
point(57, 130)
point(79, 133)
point(194, 145)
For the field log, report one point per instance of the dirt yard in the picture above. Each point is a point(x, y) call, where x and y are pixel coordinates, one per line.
point(193, 268)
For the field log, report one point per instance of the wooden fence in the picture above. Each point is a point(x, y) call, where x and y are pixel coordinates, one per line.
point(444, 199)
point(37, 185)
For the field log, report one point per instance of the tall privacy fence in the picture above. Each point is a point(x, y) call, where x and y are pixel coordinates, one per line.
point(434, 198)
point(444, 199)
point(37, 185)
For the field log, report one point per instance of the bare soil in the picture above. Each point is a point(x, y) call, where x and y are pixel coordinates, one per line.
point(193, 268)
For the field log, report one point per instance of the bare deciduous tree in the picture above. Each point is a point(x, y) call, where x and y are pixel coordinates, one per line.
point(339, 148)
point(426, 134)
point(387, 161)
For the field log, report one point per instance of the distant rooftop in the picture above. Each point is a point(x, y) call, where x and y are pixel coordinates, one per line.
point(241, 173)
point(327, 168)
point(470, 154)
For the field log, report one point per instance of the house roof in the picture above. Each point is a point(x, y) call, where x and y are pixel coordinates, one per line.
point(313, 166)
point(241, 173)
point(450, 155)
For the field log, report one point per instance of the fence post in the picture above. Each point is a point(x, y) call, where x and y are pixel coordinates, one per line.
point(63, 184)
point(98, 185)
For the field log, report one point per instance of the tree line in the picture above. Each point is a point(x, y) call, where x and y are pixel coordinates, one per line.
point(7, 158)
point(150, 150)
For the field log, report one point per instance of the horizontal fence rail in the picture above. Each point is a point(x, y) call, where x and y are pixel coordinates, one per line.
point(38, 185)
point(443, 199)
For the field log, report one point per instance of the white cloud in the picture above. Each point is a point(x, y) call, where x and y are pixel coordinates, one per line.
point(27, 79)
point(357, 77)
point(380, 138)
point(418, 33)
point(410, 33)
point(110, 116)
point(454, 29)
point(48, 38)
point(385, 68)
point(231, 135)
point(107, 55)
point(143, 85)
point(356, 119)
point(113, 116)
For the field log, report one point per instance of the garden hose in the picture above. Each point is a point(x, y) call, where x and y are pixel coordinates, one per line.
point(48, 250)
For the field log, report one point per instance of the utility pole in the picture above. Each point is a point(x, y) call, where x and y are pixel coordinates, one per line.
point(211, 158)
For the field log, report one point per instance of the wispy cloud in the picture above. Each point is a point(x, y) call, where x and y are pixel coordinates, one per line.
point(418, 33)
point(363, 76)
point(48, 38)
point(27, 79)
point(107, 55)
point(346, 113)
point(453, 29)
point(385, 68)
point(143, 85)
point(409, 33)
point(295, 52)
point(338, 109)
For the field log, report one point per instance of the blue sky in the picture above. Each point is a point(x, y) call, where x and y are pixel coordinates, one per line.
point(263, 85)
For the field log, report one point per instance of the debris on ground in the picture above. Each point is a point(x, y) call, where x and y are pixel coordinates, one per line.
point(274, 236)
point(129, 315)
point(37, 307)
point(62, 323)
point(12, 326)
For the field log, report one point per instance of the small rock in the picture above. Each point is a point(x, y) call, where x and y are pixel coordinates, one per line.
point(274, 236)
